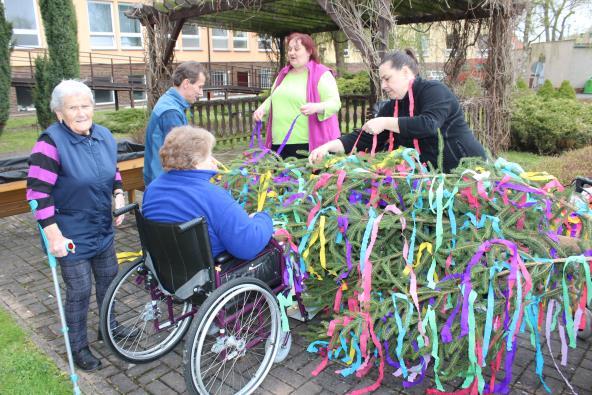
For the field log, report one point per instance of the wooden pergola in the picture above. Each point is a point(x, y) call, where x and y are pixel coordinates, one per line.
point(279, 18)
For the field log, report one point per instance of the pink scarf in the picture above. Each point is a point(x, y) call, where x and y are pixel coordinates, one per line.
point(319, 132)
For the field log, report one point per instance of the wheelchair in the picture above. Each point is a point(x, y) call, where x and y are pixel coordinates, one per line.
point(228, 306)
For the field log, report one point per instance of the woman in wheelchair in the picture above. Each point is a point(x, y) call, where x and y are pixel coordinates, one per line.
point(184, 192)
point(229, 310)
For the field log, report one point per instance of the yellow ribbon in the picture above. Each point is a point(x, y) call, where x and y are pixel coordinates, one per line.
point(537, 176)
point(263, 182)
point(123, 257)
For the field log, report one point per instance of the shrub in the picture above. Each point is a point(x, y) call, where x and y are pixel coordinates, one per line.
point(566, 91)
point(42, 92)
point(5, 47)
point(470, 87)
point(550, 125)
point(354, 84)
point(521, 84)
point(123, 121)
point(546, 90)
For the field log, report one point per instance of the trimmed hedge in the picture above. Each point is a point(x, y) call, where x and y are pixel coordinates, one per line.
point(354, 84)
point(546, 125)
point(123, 121)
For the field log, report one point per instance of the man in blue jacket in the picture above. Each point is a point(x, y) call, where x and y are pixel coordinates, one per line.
point(184, 192)
point(188, 81)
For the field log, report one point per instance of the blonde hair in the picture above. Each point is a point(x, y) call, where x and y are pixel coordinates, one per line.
point(185, 147)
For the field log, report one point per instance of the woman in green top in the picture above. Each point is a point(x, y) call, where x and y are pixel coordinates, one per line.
point(303, 87)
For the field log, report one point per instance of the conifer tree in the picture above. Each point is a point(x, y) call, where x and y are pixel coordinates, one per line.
point(59, 22)
point(5, 48)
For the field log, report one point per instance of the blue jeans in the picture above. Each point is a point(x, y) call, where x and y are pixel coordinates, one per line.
point(77, 277)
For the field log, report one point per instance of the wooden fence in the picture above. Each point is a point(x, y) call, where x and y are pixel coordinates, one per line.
point(231, 120)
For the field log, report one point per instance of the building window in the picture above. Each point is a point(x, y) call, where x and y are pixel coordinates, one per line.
point(424, 43)
point(346, 49)
point(266, 78)
point(103, 96)
point(219, 78)
point(22, 15)
point(220, 39)
point(130, 31)
point(449, 43)
point(240, 40)
point(24, 98)
point(100, 25)
point(264, 42)
point(190, 36)
point(138, 83)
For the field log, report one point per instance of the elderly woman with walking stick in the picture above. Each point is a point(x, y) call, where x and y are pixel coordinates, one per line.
point(73, 178)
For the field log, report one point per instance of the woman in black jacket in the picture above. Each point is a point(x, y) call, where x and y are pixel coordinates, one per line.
point(417, 109)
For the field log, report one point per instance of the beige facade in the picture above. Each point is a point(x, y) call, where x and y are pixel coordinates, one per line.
point(104, 30)
point(112, 50)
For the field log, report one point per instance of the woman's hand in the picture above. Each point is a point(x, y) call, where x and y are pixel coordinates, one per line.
point(119, 203)
point(317, 154)
point(259, 114)
point(374, 126)
point(312, 108)
point(57, 242)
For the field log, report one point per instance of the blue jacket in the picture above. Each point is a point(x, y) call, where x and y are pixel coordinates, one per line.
point(83, 191)
point(168, 113)
point(182, 195)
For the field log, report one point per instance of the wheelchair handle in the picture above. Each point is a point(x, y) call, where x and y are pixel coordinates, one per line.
point(190, 224)
point(581, 183)
point(125, 209)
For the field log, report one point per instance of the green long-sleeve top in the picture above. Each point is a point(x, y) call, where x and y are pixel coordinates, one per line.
point(287, 99)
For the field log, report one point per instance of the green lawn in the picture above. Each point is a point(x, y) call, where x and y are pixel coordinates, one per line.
point(24, 368)
point(21, 132)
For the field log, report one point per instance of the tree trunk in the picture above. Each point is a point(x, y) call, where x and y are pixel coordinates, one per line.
point(339, 40)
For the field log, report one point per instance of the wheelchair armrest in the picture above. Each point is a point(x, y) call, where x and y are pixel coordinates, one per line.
point(125, 209)
point(223, 258)
point(190, 224)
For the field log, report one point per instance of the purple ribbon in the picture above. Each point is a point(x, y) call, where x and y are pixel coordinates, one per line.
point(257, 132)
point(281, 147)
point(446, 332)
point(293, 197)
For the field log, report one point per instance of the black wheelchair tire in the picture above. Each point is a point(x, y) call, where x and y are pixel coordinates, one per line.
point(206, 313)
point(163, 348)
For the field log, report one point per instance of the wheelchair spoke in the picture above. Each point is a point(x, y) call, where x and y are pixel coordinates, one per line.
point(236, 359)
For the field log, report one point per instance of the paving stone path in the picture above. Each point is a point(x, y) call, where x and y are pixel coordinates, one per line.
point(26, 290)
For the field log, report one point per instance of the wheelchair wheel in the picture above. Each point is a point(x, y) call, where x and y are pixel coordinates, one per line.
point(132, 312)
point(234, 340)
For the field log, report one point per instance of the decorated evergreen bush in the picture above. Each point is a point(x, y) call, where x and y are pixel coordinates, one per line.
point(419, 271)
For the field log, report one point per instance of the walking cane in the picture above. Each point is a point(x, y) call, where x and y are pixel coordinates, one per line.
point(52, 265)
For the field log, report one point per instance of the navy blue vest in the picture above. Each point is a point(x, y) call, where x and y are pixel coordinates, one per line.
point(84, 187)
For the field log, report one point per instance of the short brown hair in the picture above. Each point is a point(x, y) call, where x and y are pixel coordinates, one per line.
point(185, 147)
point(188, 70)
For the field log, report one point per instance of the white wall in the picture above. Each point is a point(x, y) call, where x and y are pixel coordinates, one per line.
point(563, 61)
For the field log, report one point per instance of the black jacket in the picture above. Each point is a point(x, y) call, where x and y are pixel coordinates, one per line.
point(436, 107)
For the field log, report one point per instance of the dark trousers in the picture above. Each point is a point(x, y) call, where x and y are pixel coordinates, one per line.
point(289, 150)
point(77, 277)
